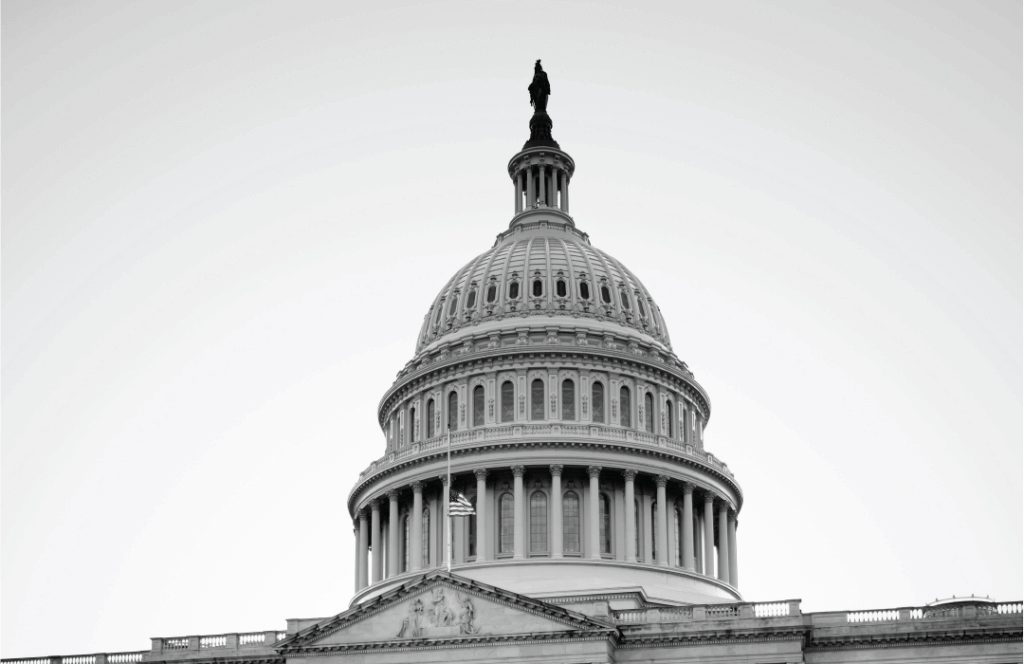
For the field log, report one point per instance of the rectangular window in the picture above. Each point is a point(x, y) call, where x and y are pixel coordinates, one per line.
point(538, 522)
point(537, 400)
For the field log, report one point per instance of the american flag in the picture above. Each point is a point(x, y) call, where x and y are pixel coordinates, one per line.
point(459, 505)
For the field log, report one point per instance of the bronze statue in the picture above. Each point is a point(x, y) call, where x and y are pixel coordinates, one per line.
point(539, 89)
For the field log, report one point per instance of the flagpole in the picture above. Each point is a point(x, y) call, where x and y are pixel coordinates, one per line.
point(448, 504)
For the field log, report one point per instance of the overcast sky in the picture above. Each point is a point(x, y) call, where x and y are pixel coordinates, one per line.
point(223, 224)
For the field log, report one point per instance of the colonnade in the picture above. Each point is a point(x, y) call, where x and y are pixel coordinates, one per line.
point(569, 513)
point(541, 184)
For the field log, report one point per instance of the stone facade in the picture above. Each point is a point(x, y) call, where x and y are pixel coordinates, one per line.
point(545, 392)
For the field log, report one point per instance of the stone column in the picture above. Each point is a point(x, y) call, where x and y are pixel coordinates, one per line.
point(565, 193)
point(661, 481)
point(364, 550)
point(531, 195)
point(688, 526)
point(393, 533)
point(519, 192)
point(518, 529)
point(723, 541)
point(416, 528)
point(630, 475)
point(542, 182)
point(481, 513)
point(595, 511)
point(556, 512)
point(709, 534)
point(447, 541)
point(734, 576)
point(376, 545)
point(556, 177)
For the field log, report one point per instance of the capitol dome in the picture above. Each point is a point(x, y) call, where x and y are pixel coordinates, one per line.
point(545, 404)
point(543, 267)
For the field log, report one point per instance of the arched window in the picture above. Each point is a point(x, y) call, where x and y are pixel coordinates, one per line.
point(478, 406)
point(670, 420)
point(624, 407)
point(453, 411)
point(636, 530)
point(538, 287)
point(606, 295)
point(471, 535)
point(538, 522)
point(640, 307)
point(648, 412)
point(605, 518)
point(677, 526)
point(654, 530)
point(537, 400)
point(492, 292)
point(568, 400)
point(508, 401)
point(426, 537)
point(584, 290)
point(624, 299)
point(453, 305)
point(430, 418)
point(506, 527)
point(471, 299)
point(597, 401)
point(513, 290)
point(560, 288)
point(405, 548)
point(412, 425)
point(571, 522)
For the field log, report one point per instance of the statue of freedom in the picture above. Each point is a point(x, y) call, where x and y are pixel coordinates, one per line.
point(540, 89)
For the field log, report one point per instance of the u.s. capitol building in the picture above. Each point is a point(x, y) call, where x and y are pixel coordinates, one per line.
point(603, 529)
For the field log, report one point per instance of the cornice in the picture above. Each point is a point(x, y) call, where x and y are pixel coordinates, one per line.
point(462, 451)
point(630, 640)
point(569, 636)
point(930, 637)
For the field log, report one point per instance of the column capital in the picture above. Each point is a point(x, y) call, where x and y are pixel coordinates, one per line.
point(518, 471)
point(687, 488)
point(556, 469)
point(481, 473)
point(363, 515)
point(417, 486)
point(393, 495)
point(709, 497)
point(593, 471)
point(723, 506)
point(661, 481)
point(375, 504)
point(444, 479)
point(629, 474)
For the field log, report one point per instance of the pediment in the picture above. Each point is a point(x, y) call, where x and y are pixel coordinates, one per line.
point(443, 606)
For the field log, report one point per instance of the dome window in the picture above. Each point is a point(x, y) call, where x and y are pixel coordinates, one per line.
point(640, 306)
point(538, 287)
point(606, 295)
point(584, 290)
point(513, 290)
point(560, 288)
point(492, 292)
point(624, 300)
point(452, 306)
point(471, 300)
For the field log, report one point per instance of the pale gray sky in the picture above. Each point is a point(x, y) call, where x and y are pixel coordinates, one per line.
point(223, 223)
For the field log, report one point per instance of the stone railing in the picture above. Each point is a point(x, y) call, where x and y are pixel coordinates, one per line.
point(467, 438)
point(708, 612)
point(218, 642)
point(98, 658)
point(791, 608)
point(916, 613)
